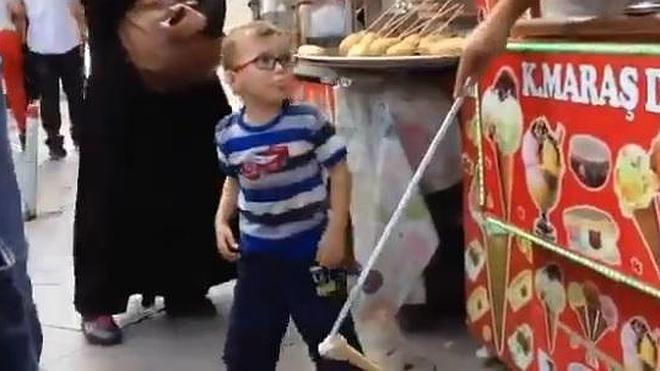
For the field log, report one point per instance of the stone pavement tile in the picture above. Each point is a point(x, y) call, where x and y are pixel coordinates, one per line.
point(60, 343)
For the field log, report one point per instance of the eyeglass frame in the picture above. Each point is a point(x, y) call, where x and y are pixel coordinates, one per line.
point(275, 60)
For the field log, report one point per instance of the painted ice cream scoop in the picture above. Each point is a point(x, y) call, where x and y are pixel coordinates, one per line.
point(635, 182)
point(502, 114)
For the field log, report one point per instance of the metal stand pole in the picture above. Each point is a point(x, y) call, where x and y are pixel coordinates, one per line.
point(30, 162)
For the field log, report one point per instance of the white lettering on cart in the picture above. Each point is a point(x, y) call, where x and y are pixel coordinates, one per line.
point(652, 80)
point(589, 85)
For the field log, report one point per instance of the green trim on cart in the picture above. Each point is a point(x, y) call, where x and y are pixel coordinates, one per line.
point(497, 224)
point(480, 149)
point(582, 47)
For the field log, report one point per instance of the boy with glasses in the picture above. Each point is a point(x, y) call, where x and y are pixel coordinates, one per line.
point(278, 156)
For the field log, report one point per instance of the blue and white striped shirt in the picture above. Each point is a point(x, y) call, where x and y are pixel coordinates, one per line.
point(282, 168)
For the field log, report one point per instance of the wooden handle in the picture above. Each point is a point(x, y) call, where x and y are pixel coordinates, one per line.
point(357, 359)
point(337, 348)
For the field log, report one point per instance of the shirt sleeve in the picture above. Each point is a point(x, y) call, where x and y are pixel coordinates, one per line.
point(329, 148)
point(223, 156)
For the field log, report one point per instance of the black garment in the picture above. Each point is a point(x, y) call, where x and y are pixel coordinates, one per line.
point(49, 70)
point(149, 180)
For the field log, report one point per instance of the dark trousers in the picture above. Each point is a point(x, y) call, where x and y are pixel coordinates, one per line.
point(49, 70)
point(270, 291)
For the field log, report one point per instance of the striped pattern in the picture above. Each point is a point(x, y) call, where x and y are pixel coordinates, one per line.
point(281, 167)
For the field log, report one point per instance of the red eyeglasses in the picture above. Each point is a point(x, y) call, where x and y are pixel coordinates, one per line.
point(268, 62)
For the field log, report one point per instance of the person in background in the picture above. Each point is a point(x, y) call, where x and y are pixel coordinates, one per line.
point(12, 32)
point(149, 182)
point(277, 156)
point(55, 37)
point(20, 332)
point(488, 40)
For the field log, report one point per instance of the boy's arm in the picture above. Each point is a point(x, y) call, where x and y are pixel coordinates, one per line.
point(332, 248)
point(228, 200)
point(226, 210)
point(18, 17)
point(488, 40)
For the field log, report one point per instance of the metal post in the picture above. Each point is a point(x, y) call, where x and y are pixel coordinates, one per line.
point(31, 162)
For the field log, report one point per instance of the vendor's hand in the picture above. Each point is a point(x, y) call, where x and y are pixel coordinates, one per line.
point(486, 42)
point(332, 248)
point(227, 245)
point(184, 21)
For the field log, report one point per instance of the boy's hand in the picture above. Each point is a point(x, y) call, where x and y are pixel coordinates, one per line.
point(227, 245)
point(332, 248)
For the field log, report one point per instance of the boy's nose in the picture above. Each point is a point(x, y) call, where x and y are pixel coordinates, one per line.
point(279, 66)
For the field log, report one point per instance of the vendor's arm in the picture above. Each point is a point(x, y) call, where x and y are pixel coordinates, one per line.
point(17, 13)
point(226, 240)
point(489, 39)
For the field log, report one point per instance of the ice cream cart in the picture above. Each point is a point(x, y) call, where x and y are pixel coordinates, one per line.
point(562, 182)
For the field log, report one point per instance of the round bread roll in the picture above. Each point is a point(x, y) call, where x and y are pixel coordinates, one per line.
point(311, 50)
point(401, 49)
point(379, 46)
point(349, 41)
point(360, 49)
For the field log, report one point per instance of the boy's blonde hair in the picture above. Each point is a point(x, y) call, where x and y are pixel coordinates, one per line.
point(258, 29)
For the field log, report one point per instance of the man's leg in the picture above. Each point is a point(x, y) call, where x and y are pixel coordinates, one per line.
point(48, 82)
point(314, 317)
point(15, 290)
point(258, 318)
point(72, 72)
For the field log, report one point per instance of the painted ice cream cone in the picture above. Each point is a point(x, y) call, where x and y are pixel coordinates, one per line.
point(505, 163)
point(550, 291)
point(578, 303)
point(551, 322)
point(647, 220)
point(498, 256)
point(636, 185)
point(503, 122)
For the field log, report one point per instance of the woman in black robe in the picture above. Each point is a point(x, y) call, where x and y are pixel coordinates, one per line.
point(149, 184)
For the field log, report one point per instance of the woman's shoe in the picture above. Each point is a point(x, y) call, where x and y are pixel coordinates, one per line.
point(102, 330)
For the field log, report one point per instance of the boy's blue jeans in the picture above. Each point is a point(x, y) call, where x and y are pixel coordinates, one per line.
point(268, 292)
point(20, 331)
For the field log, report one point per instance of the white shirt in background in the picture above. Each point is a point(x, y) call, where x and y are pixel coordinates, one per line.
point(52, 28)
point(5, 18)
